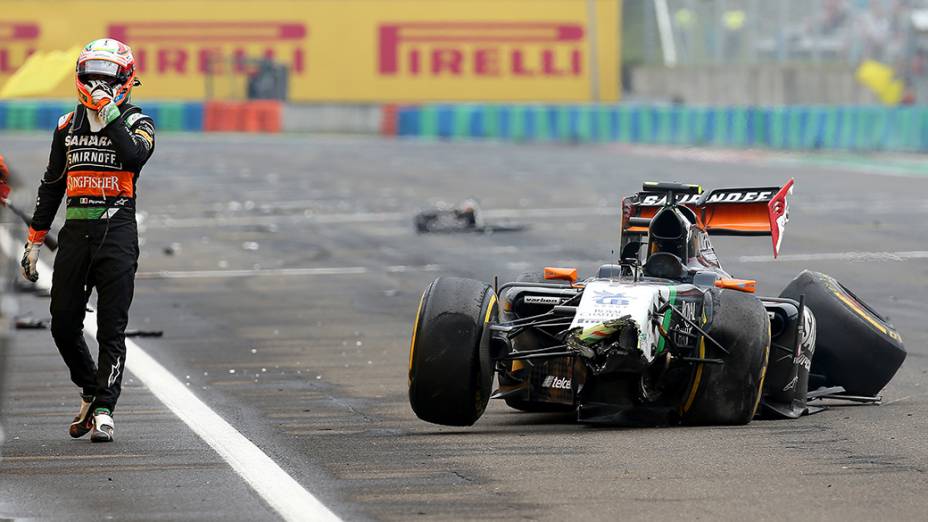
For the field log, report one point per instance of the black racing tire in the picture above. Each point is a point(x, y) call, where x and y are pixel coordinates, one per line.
point(529, 338)
point(730, 393)
point(450, 371)
point(855, 347)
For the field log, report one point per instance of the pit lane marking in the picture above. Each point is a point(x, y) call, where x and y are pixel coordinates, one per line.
point(281, 491)
point(839, 256)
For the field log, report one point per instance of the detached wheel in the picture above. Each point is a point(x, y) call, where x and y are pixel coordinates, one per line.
point(730, 393)
point(855, 347)
point(450, 371)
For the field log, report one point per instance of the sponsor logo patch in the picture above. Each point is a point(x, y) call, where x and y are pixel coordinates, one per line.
point(146, 136)
point(87, 140)
point(610, 298)
point(194, 46)
point(100, 184)
point(64, 120)
point(559, 383)
point(481, 49)
point(93, 158)
point(716, 196)
point(541, 300)
point(132, 118)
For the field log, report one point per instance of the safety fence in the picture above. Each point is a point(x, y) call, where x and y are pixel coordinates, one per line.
point(791, 127)
point(861, 128)
point(253, 116)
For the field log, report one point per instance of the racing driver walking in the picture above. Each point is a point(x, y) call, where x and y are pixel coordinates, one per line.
point(97, 153)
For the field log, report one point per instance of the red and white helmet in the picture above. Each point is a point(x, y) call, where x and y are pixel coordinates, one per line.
point(105, 59)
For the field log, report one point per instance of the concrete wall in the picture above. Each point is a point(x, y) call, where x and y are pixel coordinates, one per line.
point(767, 85)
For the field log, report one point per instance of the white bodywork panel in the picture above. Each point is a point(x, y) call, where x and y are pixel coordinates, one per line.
point(606, 300)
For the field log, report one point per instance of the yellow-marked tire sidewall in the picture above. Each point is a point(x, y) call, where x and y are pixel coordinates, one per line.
point(415, 330)
point(450, 372)
point(855, 347)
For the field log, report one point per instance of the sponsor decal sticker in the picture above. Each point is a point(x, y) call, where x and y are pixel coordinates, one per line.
point(200, 46)
point(654, 200)
point(688, 307)
point(481, 49)
point(360, 51)
point(106, 183)
point(93, 158)
point(541, 300)
point(560, 383)
point(604, 301)
point(737, 196)
point(716, 196)
point(146, 136)
point(134, 117)
point(87, 140)
point(610, 298)
point(25, 35)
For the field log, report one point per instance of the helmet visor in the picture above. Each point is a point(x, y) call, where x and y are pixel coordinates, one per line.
point(98, 68)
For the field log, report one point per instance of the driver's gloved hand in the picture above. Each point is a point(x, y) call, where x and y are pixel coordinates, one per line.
point(107, 111)
point(30, 262)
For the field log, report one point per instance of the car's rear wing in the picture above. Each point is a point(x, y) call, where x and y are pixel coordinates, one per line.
point(752, 211)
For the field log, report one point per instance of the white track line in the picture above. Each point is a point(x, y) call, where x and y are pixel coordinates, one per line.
point(284, 494)
point(839, 256)
point(279, 272)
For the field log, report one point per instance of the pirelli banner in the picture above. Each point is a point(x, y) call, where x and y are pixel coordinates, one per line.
point(340, 50)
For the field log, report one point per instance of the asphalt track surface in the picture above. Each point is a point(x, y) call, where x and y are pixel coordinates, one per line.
point(287, 305)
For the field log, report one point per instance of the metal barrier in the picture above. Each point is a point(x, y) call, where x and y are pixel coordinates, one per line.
point(43, 115)
point(791, 128)
point(862, 128)
point(250, 116)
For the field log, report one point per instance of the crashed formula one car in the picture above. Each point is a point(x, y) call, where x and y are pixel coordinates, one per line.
point(664, 336)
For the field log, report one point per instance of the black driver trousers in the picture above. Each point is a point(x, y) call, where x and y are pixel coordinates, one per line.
point(91, 255)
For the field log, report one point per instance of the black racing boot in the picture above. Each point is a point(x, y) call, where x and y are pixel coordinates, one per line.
point(83, 422)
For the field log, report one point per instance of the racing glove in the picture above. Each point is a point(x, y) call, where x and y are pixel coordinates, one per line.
point(107, 111)
point(30, 261)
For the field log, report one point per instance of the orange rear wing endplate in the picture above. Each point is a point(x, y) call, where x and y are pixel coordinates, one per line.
point(747, 212)
point(757, 211)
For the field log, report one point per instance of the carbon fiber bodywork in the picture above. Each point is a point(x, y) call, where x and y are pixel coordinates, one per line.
point(667, 334)
point(636, 392)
